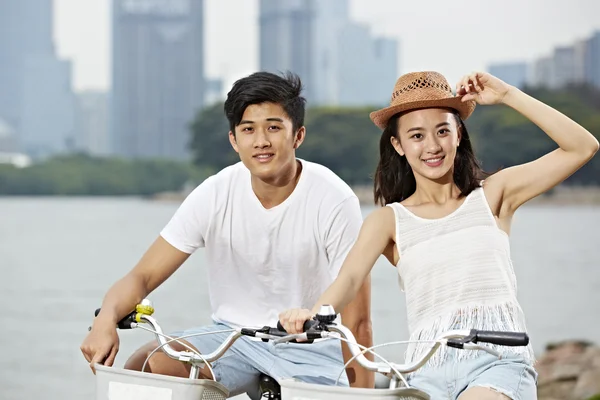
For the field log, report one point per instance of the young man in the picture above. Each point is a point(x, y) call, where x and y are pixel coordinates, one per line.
point(276, 230)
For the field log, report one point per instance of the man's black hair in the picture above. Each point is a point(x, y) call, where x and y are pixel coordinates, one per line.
point(262, 87)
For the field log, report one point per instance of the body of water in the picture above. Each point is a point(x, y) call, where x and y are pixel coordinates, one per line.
point(58, 256)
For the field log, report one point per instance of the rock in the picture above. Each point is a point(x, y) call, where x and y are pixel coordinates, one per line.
point(556, 390)
point(569, 371)
point(593, 357)
point(588, 384)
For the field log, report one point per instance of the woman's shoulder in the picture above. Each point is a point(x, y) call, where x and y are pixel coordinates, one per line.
point(382, 216)
point(383, 212)
point(380, 223)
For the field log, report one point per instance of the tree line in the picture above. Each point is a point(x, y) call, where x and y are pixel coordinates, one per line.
point(346, 141)
point(341, 138)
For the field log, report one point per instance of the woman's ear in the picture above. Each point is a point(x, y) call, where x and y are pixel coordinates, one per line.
point(397, 145)
point(459, 130)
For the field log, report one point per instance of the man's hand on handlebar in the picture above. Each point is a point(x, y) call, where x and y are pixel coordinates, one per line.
point(101, 344)
point(293, 319)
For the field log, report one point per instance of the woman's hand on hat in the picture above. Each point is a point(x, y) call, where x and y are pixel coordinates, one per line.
point(482, 87)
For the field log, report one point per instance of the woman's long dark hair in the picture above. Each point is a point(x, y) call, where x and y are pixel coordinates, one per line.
point(394, 178)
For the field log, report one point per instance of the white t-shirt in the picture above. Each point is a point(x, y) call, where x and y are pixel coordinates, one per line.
point(263, 261)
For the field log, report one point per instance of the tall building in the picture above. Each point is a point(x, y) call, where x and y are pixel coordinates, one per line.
point(542, 73)
point(287, 31)
point(25, 30)
point(592, 60)
point(339, 61)
point(578, 63)
point(580, 51)
point(368, 67)
point(8, 142)
point(330, 18)
point(514, 74)
point(158, 76)
point(213, 91)
point(92, 123)
point(36, 99)
point(565, 68)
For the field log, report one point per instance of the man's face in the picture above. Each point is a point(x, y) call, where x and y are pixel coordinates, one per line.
point(266, 142)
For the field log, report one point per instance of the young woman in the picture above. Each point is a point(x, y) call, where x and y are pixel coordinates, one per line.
point(445, 227)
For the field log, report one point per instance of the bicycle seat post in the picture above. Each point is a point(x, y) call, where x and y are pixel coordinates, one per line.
point(194, 371)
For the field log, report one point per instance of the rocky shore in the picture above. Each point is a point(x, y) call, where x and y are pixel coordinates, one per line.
point(569, 371)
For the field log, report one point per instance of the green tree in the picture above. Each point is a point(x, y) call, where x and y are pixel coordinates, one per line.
point(84, 175)
point(503, 138)
point(344, 140)
point(210, 142)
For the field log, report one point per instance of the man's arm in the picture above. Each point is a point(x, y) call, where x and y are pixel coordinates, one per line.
point(344, 229)
point(182, 235)
point(159, 262)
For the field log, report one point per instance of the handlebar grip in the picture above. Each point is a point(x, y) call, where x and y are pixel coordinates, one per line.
point(501, 338)
point(124, 323)
point(308, 324)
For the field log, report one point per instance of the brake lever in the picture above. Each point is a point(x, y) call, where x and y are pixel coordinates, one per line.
point(289, 338)
point(472, 346)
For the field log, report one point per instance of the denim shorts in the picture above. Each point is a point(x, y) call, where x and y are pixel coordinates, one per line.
point(511, 376)
point(240, 367)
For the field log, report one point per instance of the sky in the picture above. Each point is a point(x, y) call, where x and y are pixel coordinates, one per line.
point(453, 37)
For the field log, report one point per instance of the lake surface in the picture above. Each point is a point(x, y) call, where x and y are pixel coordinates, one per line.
point(58, 256)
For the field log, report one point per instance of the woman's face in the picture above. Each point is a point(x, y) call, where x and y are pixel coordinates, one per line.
point(428, 138)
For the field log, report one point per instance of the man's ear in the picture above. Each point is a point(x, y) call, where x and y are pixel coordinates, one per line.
point(397, 145)
point(233, 142)
point(299, 137)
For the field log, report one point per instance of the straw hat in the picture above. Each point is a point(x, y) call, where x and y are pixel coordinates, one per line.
point(421, 90)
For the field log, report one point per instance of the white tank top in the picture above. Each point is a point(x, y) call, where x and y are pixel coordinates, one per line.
point(456, 272)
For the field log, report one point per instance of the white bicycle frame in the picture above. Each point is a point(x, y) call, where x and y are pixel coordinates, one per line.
point(393, 371)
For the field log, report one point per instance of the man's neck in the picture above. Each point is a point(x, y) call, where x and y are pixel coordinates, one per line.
point(273, 193)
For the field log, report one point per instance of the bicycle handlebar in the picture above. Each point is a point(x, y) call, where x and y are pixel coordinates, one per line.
point(125, 323)
point(308, 325)
point(500, 338)
point(323, 326)
point(143, 312)
point(462, 339)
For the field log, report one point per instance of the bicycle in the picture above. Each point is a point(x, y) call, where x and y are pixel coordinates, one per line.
point(119, 384)
point(326, 328)
point(114, 383)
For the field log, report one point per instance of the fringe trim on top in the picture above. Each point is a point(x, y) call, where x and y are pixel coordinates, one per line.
point(495, 317)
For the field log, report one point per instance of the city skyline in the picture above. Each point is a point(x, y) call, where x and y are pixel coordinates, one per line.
point(82, 34)
point(333, 55)
point(36, 103)
point(158, 67)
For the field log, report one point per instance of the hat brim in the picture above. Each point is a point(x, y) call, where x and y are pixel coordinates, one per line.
point(464, 109)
